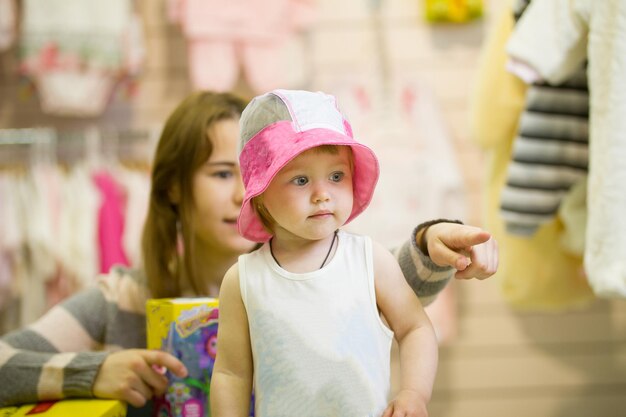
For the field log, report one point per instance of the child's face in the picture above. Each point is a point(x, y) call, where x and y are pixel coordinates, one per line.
point(312, 195)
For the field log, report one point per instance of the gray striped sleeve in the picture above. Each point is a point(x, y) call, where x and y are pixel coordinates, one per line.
point(88, 309)
point(33, 361)
point(127, 329)
point(28, 339)
point(426, 278)
point(19, 377)
point(80, 374)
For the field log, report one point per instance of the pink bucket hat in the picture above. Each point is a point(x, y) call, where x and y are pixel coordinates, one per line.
point(278, 126)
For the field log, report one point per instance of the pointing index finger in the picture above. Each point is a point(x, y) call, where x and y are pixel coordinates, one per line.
point(475, 238)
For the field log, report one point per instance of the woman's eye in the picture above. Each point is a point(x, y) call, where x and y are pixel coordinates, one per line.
point(300, 180)
point(222, 174)
point(336, 176)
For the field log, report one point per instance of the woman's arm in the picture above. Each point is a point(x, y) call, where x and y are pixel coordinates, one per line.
point(41, 361)
point(67, 352)
point(440, 249)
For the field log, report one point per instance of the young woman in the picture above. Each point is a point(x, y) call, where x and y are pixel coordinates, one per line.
point(93, 344)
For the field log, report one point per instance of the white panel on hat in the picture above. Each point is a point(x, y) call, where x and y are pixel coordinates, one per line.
point(312, 110)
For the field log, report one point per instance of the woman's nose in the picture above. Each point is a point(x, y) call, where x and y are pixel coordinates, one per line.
point(239, 191)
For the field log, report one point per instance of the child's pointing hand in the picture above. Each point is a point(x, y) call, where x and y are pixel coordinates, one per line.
point(471, 250)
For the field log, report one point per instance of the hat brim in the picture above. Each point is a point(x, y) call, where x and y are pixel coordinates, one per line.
point(278, 144)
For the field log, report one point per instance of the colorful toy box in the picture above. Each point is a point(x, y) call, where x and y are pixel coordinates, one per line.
point(68, 408)
point(186, 328)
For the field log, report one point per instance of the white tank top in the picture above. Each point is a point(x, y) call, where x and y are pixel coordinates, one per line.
point(319, 346)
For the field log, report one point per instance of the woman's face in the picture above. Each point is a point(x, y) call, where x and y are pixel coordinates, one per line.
point(218, 193)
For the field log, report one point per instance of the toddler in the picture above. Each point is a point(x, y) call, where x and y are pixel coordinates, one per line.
point(308, 318)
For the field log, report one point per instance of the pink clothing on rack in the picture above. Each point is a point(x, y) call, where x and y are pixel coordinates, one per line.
point(8, 19)
point(263, 68)
point(110, 221)
point(251, 20)
point(224, 35)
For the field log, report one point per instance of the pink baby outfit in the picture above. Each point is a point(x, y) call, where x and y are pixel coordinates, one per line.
point(76, 51)
point(110, 221)
point(7, 23)
point(222, 34)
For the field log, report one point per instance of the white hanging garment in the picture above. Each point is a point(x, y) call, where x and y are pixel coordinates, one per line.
point(75, 52)
point(7, 24)
point(555, 37)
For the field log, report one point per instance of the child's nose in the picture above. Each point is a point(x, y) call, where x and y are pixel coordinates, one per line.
point(320, 195)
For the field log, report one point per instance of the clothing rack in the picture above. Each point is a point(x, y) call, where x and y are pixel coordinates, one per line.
point(27, 136)
point(45, 144)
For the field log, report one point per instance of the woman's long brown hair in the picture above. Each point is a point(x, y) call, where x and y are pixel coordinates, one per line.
point(183, 147)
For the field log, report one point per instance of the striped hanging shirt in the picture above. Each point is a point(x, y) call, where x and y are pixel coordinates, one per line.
point(550, 153)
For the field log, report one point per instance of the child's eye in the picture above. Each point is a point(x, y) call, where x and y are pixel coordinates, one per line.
point(300, 180)
point(336, 176)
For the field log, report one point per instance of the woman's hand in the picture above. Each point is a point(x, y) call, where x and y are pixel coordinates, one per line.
point(134, 375)
point(471, 250)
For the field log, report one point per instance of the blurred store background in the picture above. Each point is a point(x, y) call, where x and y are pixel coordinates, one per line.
point(85, 87)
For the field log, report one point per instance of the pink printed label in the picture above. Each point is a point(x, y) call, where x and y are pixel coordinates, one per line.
point(193, 408)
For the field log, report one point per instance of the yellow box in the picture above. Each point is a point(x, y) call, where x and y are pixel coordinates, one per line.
point(68, 408)
point(186, 328)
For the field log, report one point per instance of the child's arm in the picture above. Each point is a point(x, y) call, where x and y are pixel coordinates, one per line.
point(231, 382)
point(413, 331)
point(434, 251)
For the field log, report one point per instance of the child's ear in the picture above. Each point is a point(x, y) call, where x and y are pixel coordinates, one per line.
point(174, 194)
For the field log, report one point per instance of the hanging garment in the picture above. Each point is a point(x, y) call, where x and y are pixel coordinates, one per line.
point(31, 283)
point(255, 34)
point(78, 226)
point(13, 241)
point(9, 240)
point(137, 186)
point(554, 37)
point(573, 214)
point(550, 152)
point(110, 221)
point(8, 19)
point(537, 272)
point(76, 51)
point(46, 204)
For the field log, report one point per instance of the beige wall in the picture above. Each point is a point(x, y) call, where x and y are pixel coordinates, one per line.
point(502, 363)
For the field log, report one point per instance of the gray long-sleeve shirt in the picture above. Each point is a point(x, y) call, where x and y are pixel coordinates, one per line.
point(59, 355)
